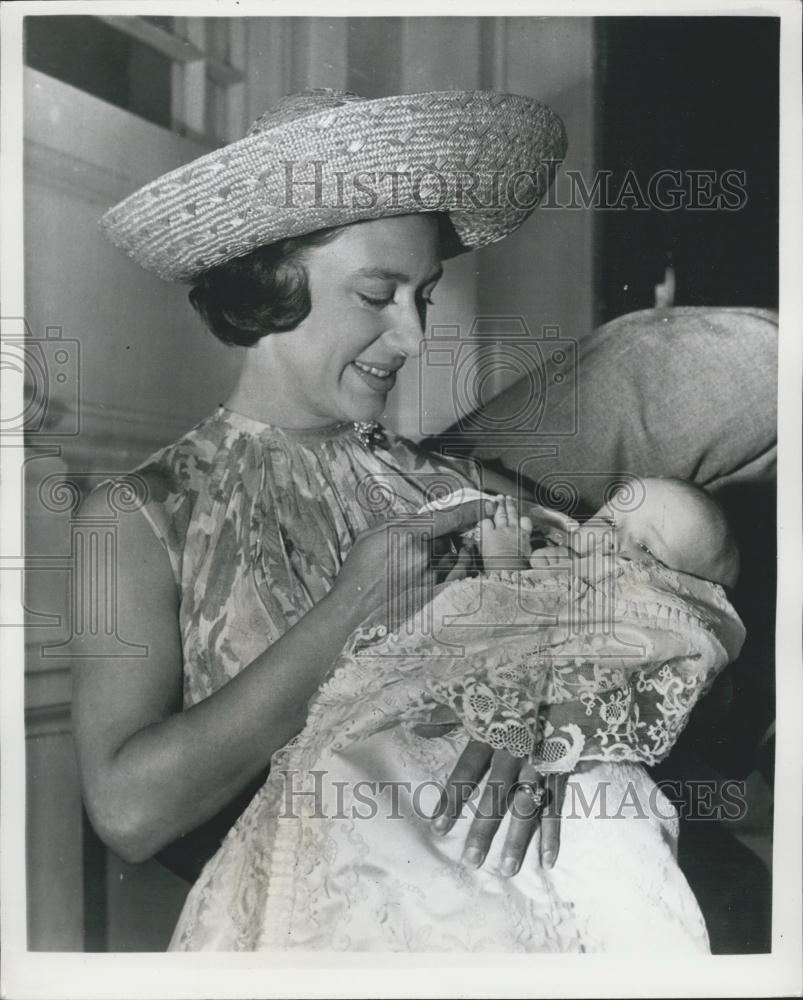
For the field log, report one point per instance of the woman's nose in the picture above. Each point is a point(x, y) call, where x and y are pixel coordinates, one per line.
point(407, 336)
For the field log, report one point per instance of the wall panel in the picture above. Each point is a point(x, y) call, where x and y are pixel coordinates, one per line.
point(54, 818)
point(544, 272)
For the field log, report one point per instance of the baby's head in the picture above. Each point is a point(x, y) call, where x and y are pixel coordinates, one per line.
point(678, 524)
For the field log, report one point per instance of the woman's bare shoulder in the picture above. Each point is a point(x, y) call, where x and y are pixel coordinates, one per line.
point(137, 545)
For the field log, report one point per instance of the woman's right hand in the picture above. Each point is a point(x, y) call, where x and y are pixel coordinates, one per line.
point(554, 525)
point(391, 565)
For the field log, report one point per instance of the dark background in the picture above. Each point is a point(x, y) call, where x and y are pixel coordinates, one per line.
point(692, 93)
point(689, 93)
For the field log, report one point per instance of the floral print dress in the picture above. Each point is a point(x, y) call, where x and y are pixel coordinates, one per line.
point(257, 521)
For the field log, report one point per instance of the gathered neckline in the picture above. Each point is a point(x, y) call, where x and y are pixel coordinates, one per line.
point(303, 434)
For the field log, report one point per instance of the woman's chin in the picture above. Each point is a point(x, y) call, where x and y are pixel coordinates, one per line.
point(365, 414)
point(367, 395)
point(365, 410)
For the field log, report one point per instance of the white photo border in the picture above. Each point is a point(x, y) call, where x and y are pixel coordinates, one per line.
point(41, 974)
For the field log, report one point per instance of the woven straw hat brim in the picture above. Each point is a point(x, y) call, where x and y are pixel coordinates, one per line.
point(484, 158)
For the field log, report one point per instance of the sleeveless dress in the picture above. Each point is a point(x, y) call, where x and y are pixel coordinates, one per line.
point(257, 521)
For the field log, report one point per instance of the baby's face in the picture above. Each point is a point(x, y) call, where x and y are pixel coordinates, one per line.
point(671, 524)
point(651, 529)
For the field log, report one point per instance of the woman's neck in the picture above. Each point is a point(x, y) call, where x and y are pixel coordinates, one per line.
point(261, 395)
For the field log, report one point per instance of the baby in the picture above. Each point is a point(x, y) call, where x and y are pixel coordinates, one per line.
point(668, 522)
point(676, 524)
point(599, 700)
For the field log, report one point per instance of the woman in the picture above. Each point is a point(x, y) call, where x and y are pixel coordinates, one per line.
point(316, 242)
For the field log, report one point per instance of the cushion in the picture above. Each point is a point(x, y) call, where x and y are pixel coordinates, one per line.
point(684, 391)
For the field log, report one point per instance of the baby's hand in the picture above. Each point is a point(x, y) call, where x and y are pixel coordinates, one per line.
point(505, 539)
point(552, 557)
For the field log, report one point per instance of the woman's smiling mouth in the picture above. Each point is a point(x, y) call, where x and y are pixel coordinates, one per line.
point(378, 379)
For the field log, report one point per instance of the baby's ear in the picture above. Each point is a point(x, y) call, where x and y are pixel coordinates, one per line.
point(729, 566)
point(734, 570)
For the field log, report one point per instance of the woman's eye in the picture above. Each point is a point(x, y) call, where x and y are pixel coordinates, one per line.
point(376, 303)
point(645, 548)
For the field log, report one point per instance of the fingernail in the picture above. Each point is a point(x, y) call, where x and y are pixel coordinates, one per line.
point(441, 823)
point(548, 859)
point(509, 866)
point(472, 856)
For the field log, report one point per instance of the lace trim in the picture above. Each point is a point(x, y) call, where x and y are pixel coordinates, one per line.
point(569, 698)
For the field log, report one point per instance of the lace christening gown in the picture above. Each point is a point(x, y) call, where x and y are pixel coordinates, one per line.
point(257, 521)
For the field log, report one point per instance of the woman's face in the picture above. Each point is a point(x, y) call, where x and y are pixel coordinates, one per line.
point(369, 290)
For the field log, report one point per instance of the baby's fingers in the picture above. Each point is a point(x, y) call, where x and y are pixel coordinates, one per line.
point(454, 520)
point(486, 528)
point(553, 524)
point(511, 510)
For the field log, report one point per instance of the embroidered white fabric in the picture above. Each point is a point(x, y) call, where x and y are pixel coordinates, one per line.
point(336, 851)
point(325, 863)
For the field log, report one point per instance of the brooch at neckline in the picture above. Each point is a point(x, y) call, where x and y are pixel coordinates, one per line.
point(370, 434)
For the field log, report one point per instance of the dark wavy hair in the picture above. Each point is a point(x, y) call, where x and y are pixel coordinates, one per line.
point(266, 291)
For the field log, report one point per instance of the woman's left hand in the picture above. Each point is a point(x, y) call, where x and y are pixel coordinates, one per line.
point(510, 786)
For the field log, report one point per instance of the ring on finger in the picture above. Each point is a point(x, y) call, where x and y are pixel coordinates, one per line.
point(535, 792)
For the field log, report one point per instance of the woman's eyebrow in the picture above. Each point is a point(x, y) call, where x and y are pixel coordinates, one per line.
point(386, 275)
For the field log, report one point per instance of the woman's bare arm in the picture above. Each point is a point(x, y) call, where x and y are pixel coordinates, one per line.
point(497, 482)
point(152, 772)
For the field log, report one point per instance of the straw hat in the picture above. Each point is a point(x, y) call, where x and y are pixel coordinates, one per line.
point(325, 158)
